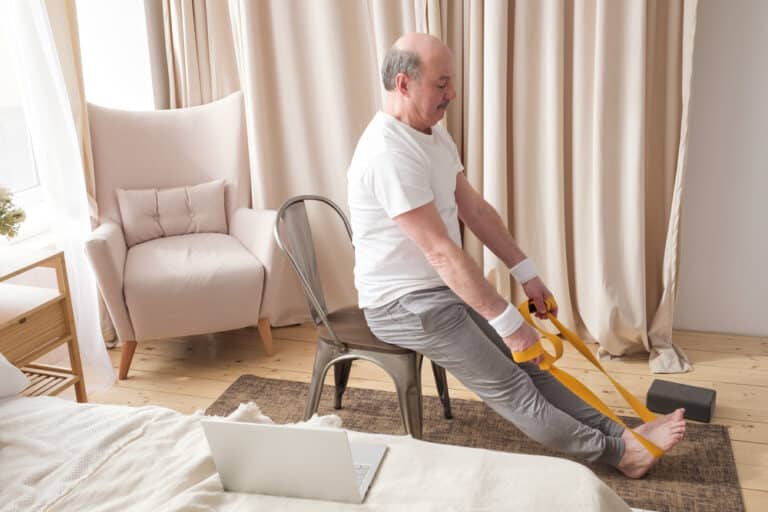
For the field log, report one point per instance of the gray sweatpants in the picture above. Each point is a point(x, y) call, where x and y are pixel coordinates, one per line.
point(439, 325)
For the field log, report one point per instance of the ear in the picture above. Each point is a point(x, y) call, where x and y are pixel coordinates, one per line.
point(401, 83)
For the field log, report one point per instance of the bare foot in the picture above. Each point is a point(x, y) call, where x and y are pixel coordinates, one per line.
point(636, 460)
point(664, 432)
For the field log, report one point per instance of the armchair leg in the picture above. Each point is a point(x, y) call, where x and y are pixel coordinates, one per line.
point(265, 332)
point(129, 347)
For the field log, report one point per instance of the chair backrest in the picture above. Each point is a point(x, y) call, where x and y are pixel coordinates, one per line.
point(170, 148)
point(293, 234)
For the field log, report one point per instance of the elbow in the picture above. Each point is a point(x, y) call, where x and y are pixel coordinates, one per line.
point(442, 255)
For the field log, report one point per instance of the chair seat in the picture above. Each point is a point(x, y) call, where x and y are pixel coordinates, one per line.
point(192, 284)
point(350, 326)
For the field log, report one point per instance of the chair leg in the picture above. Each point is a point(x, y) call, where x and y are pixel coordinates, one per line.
point(129, 347)
point(341, 376)
point(405, 370)
point(324, 355)
point(442, 389)
point(265, 332)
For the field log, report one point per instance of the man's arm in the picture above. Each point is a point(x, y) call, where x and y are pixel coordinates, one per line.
point(486, 224)
point(424, 226)
point(484, 221)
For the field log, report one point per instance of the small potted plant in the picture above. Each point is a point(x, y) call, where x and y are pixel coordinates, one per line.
point(10, 215)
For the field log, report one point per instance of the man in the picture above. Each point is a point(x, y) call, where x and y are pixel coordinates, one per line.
point(419, 290)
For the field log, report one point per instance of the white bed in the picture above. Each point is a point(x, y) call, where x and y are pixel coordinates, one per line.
point(58, 455)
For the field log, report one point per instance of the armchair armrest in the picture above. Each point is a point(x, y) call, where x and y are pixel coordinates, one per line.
point(106, 250)
point(283, 302)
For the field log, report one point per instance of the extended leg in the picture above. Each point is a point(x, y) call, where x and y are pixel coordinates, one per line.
point(440, 327)
point(557, 394)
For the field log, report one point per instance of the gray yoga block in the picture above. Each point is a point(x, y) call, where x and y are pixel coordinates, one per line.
point(664, 397)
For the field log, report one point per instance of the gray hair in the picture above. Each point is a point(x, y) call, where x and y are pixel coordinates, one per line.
point(399, 61)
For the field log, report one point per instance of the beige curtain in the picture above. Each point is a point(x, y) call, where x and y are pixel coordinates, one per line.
point(309, 73)
point(574, 126)
point(571, 120)
point(665, 357)
point(199, 53)
point(63, 19)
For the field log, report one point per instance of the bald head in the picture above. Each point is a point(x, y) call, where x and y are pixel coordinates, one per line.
point(418, 75)
point(423, 45)
point(407, 56)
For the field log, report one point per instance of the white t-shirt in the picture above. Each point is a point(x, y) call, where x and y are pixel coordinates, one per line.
point(395, 169)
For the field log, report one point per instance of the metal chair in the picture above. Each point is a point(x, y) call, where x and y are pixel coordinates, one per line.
point(343, 335)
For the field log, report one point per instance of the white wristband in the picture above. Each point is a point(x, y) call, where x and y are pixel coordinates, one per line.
point(524, 271)
point(507, 322)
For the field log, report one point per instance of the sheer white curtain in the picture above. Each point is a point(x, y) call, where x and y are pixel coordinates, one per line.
point(56, 149)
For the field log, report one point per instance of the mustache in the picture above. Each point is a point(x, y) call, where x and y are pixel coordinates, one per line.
point(444, 105)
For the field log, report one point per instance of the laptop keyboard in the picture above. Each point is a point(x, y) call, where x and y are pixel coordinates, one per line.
point(361, 471)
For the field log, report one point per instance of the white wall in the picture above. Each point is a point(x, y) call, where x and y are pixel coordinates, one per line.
point(724, 268)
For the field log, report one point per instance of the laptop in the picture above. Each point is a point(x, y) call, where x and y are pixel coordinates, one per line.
point(293, 461)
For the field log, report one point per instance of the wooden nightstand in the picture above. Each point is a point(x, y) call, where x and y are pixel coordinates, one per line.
point(35, 320)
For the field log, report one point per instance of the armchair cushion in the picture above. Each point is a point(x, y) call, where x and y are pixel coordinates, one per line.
point(192, 284)
point(153, 213)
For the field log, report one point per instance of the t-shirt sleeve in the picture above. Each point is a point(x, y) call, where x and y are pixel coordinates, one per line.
point(400, 183)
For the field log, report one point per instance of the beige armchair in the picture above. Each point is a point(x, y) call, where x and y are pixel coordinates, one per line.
point(195, 283)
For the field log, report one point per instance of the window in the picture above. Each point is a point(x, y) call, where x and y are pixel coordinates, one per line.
point(116, 73)
point(115, 53)
point(17, 164)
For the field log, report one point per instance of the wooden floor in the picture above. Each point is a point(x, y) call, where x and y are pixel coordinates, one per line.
point(188, 374)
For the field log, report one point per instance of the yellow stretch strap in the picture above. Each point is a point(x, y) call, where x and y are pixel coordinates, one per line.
point(531, 352)
point(547, 363)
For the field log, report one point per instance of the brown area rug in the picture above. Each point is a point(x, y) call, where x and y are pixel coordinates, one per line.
point(698, 475)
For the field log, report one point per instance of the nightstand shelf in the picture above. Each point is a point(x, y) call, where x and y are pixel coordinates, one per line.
point(47, 380)
point(34, 320)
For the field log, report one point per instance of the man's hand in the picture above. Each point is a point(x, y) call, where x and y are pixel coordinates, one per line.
point(522, 338)
point(538, 293)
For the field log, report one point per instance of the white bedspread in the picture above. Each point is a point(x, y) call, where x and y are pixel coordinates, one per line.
point(58, 455)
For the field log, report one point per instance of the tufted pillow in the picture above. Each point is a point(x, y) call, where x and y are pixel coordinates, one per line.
point(153, 213)
point(12, 381)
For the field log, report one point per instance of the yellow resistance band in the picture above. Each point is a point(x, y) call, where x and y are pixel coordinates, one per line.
point(547, 364)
